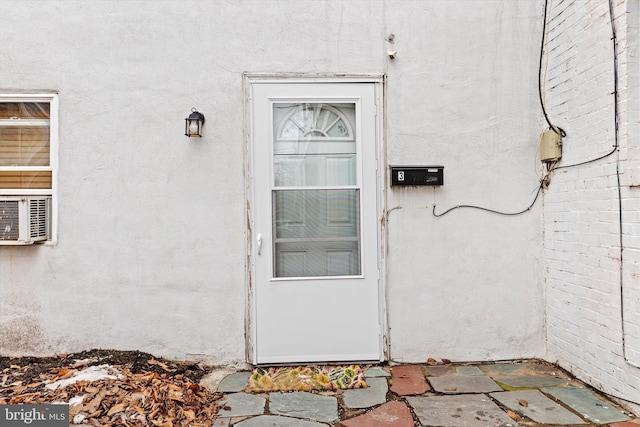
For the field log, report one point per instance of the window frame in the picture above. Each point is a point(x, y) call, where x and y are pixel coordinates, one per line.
point(54, 115)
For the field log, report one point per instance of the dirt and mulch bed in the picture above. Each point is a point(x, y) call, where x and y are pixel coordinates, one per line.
point(108, 387)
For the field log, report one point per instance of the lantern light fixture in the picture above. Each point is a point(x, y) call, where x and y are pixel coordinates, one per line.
point(193, 123)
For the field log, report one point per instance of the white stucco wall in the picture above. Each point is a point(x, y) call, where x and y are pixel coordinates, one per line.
point(462, 94)
point(582, 257)
point(151, 251)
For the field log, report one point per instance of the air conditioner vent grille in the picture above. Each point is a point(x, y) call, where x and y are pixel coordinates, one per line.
point(9, 220)
point(38, 213)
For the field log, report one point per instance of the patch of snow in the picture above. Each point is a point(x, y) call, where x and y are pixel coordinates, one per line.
point(78, 418)
point(92, 373)
point(76, 400)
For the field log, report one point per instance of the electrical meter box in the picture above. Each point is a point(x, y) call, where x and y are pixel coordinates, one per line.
point(550, 146)
point(417, 175)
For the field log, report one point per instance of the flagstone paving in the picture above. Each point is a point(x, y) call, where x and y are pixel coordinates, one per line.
point(472, 410)
point(494, 395)
point(469, 370)
point(375, 394)
point(408, 380)
point(538, 407)
point(464, 384)
point(234, 383)
point(587, 404)
point(391, 414)
point(531, 381)
point(300, 404)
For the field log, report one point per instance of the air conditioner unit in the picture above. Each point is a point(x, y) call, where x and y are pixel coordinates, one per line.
point(25, 219)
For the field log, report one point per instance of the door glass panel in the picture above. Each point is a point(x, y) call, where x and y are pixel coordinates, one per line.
point(316, 231)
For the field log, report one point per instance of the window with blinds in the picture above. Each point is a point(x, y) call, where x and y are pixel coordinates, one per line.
point(25, 144)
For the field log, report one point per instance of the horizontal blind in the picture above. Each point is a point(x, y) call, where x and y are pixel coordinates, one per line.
point(25, 143)
point(25, 179)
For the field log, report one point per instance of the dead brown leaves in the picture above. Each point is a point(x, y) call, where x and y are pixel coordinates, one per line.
point(135, 399)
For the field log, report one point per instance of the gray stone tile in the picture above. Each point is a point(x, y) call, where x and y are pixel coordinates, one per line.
point(452, 384)
point(531, 381)
point(277, 421)
point(373, 395)
point(376, 372)
point(241, 404)
point(438, 371)
point(213, 378)
point(301, 404)
point(471, 410)
point(234, 383)
point(469, 370)
point(503, 368)
point(221, 422)
point(587, 404)
point(537, 406)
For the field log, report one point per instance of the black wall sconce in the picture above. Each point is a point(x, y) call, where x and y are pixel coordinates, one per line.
point(193, 123)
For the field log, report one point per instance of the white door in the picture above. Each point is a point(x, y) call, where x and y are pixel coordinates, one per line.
point(314, 222)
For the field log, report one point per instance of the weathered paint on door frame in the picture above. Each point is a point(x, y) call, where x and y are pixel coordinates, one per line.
point(378, 80)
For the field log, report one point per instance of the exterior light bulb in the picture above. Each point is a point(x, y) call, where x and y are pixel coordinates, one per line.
point(193, 127)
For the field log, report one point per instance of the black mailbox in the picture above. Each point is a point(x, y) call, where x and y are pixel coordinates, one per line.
point(417, 175)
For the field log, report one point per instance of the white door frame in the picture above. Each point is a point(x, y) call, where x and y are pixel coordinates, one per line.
point(379, 81)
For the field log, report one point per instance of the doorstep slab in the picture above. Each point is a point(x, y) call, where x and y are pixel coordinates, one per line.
point(531, 381)
point(587, 404)
point(362, 398)
point(277, 421)
point(391, 414)
point(469, 410)
point(301, 404)
point(241, 404)
point(452, 384)
point(535, 405)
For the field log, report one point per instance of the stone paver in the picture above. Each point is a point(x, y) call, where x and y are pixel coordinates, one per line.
point(470, 410)
point(213, 378)
point(469, 370)
point(277, 421)
point(376, 372)
point(391, 414)
point(241, 404)
point(503, 368)
point(587, 404)
point(438, 371)
point(373, 395)
point(408, 380)
point(463, 384)
point(535, 405)
point(301, 404)
point(234, 383)
point(464, 402)
point(531, 381)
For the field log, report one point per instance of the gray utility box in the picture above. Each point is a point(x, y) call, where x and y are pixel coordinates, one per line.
point(417, 175)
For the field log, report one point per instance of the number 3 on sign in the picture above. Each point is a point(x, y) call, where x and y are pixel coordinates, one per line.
point(400, 175)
